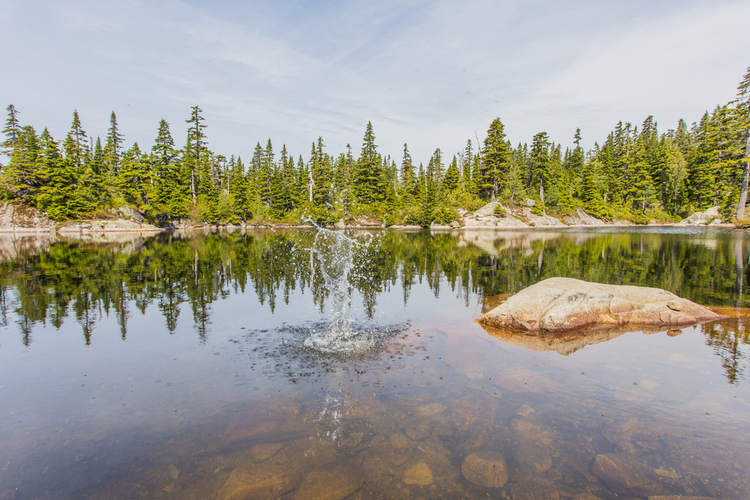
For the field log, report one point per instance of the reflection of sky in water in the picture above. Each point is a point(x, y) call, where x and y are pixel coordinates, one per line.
point(124, 411)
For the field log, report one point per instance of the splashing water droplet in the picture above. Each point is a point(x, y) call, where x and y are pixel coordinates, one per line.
point(334, 252)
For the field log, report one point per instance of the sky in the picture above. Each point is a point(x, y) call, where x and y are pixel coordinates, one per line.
point(432, 74)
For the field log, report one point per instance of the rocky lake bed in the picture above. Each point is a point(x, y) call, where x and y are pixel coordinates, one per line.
point(120, 395)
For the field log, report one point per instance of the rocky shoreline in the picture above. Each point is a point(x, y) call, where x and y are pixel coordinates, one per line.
point(494, 216)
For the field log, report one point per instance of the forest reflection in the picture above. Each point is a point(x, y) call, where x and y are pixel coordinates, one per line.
point(50, 279)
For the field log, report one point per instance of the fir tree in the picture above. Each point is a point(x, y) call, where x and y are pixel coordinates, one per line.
point(20, 175)
point(451, 178)
point(495, 163)
point(57, 193)
point(134, 179)
point(368, 169)
point(113, 146)
point(540, 165)
point(408, 179)
point(195, 148)
point(11, 131)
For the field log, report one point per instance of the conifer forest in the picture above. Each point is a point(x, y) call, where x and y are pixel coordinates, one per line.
point(636, 173)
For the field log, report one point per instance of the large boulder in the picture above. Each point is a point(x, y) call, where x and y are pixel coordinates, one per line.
point(562, 304)
point(702, 218)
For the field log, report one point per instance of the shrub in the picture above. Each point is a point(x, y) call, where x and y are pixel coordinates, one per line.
point(445, 215)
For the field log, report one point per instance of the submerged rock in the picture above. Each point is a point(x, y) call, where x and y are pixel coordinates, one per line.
point(419, 474)
point(586, 496)
point(626, 475)
point(534, 488)
point(562, 304)
point(676, 497)
point(486, 469)
point(269, 481)
point(330, 483)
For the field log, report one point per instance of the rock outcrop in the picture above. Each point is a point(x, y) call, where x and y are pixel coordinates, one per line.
point(19, 218)
point(562, 304)
point(709, 217)
point(582, 219)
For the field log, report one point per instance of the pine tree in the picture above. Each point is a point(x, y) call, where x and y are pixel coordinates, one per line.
point(701, 165)
point(57, 194)
point(368, 169)
point(76, 149)
point(321, 173)
point(241, 208)
point(171, 183)
point(11, 131)
point(495, 163)
point(451, 178)
point(408, 180)
point(540, 165)
point(20, 176)
point(113, 146)
point(288, 180)
point(134, 179)
point(195, 148)
point(467, 165)
point(742, 115)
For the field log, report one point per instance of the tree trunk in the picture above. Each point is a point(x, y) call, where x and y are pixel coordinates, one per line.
point(745, 173)
point(192, 185)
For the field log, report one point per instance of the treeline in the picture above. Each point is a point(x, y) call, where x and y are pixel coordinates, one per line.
point(635, 173)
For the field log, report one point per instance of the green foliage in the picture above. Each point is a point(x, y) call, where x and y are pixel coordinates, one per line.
point(445, 215)
point(636, 173)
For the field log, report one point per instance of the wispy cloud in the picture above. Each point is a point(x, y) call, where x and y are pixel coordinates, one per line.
point(429, 73)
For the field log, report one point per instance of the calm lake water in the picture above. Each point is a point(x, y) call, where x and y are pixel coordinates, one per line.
point(173, 367)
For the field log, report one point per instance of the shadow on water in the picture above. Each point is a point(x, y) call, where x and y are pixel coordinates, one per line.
point(176, 366)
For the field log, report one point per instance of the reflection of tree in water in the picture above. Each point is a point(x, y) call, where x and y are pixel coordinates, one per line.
point(91, 279)
point(730, 340)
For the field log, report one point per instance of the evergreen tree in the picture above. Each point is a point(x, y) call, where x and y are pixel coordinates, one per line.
point(742, 124)
point(76, 149)
point(496, 160)
point(20, 175)
point(195, 149)
point(113, 146)
point(57, 194)
point(408, 179)
point(540, 165)
point(171, 183)
point(451, 178)
point(11, 131)
point(368, 169)
point(467, 165)
point(242, 209)
point(134, 179)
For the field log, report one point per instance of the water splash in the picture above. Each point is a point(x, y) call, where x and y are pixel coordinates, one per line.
point(334, 252)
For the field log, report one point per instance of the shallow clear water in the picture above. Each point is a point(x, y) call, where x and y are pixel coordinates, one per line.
point(175, 367)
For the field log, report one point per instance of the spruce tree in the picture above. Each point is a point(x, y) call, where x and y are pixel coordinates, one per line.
point(195, 148)
point(11, 131)
point(742, 114)
point(408, 179)
point(20, 176)
point(56, 193)
point(540, 165)
point(113, 146)
point(495, 163)
point(368, 169)
point(134, 179)
point(451, 179)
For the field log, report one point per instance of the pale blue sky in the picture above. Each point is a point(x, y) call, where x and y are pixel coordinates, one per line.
point(430, 73)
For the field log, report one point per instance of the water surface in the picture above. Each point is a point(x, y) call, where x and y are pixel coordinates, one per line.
point(174, 366)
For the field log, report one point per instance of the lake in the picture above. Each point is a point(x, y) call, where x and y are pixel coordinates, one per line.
point(174, 366)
